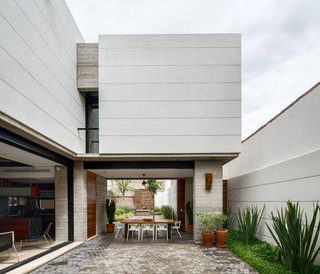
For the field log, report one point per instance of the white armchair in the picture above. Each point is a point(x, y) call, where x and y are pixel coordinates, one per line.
point(147, 227)
point(176, 227)
point(162, 227)
point(133, 228)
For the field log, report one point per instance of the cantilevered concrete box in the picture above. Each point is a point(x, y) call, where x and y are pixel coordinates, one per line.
point(170, 94)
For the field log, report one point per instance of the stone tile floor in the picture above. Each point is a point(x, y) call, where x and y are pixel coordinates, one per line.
point(104, 254)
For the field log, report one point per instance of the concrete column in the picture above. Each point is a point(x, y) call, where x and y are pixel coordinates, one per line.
point(206, 200)
point(61, 203)
point(101, 196)
point(80, 202)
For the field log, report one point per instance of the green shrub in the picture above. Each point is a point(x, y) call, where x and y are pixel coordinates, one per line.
point(155, 211)
point(268, 252)
point(189, 209)
point(296, 240)
point(168, 212)
point(252, 255)
point(121, 217)
point(110, 210)
point(248, 222)
point(123, 212)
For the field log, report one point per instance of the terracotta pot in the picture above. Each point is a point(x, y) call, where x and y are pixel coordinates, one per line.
point(207, 238)
point(189, 229)
point(221, 236)
point(110, 228)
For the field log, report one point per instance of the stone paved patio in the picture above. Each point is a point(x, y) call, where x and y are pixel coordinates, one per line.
point(104, 254)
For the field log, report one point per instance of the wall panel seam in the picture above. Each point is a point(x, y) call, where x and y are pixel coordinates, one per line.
point(276, 182)
point(32, 76)
point(168, 135)
point(101, 46)
point(44, 40)
point(167, 65)
point(73, 80)
point(41, 109)
point(55, 34)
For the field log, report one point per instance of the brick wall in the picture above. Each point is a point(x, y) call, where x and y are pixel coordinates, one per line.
point(143, 198)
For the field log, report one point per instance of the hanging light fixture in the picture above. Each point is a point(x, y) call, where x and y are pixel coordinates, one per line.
point(144, 181)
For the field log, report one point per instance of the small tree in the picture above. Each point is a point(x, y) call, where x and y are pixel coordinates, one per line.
point(124, 186)
point(110, 194)
point(219, 220)
point(206, 221)
point(153, 186)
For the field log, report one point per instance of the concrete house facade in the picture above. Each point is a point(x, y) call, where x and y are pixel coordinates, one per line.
point(74, 114)
point(279, 162)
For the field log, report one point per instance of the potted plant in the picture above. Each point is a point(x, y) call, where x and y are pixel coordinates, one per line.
point(189, 209)
point(110, 210)
point(220, 233)
point(206, 221)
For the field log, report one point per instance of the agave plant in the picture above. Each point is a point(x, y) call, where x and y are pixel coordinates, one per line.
point(296, 240)
point(248, 222)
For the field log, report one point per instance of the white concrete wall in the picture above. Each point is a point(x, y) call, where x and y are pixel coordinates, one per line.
point(38, 42)
point(280, 162)
point(168, 196)
point(170, 93)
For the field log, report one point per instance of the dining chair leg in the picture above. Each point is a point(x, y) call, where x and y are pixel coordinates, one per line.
point(179, 233)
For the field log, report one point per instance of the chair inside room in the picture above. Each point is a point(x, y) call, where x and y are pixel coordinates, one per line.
point(43, 239)
point(7, 243)
point(119, 228)
point(162, 227)
point(146, 228)
point(133, 228)
point(176, 227)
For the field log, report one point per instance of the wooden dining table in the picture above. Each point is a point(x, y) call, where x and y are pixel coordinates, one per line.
point(150, 221)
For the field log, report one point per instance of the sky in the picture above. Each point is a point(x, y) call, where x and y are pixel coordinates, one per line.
point(280, 40)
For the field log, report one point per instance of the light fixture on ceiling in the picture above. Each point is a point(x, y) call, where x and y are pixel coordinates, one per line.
point(144, 181)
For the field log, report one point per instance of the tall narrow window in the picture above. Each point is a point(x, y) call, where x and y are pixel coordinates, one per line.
point(92, 122)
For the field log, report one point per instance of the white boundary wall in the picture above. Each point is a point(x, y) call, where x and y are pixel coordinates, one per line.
point(280, 162)
point(168, 196)
point(38, 42)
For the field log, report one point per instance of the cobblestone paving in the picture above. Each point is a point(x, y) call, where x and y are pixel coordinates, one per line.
point(104, 254)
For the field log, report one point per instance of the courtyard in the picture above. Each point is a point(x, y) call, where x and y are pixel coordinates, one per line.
point(105, 254)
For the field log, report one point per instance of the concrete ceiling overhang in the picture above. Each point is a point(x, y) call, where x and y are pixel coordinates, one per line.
point(141, 169)
point(154, 166)
point(17, 163)
point(113, 174)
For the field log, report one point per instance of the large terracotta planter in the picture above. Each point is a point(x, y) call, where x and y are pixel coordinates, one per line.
point(110, 228)
point(189, 229)
point(221, 236)
point(207, 238)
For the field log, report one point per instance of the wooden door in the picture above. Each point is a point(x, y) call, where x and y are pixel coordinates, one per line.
point(91, 204)
point(225, 196)
point(181, 202)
